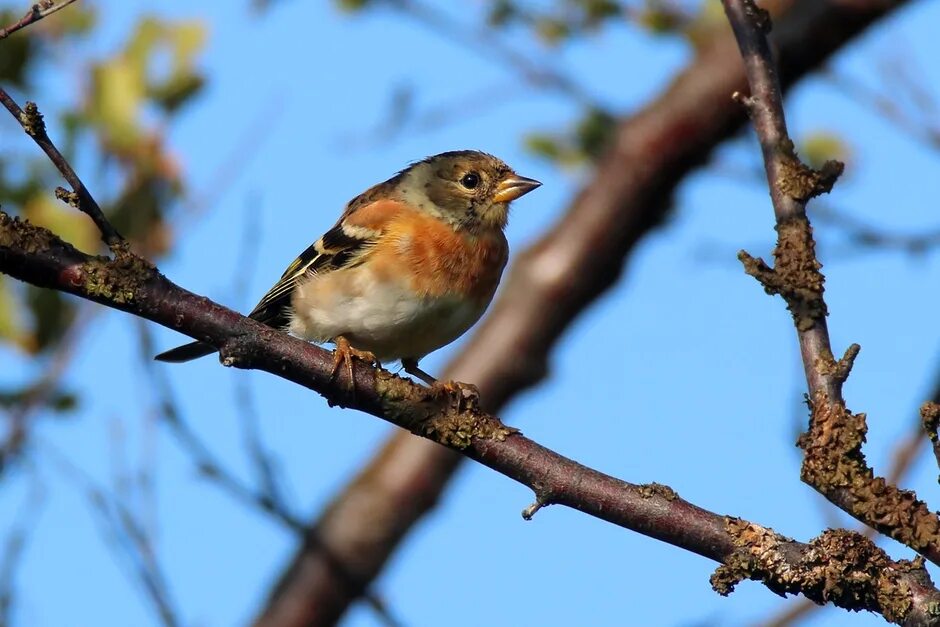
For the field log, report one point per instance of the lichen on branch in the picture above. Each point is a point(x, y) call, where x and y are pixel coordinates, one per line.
point(796, 274)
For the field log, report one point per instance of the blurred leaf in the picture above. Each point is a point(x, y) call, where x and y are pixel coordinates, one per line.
point(585, 142)
point(552, 30)
point(52, 315)
point(68, 223)
point(819, 147)
point(701, 29)
point(176, 91)
point(544, 146)
point(59, 401)
point(78, 19)
point(501, 13)
point(12, 326)
point(124, 84)
point(184, 41)
point(594, 132)
point(352, 5)
point(598, 11)
point(116, 96)
point(18, 51)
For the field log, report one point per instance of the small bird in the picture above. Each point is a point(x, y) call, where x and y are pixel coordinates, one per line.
point(409, 267)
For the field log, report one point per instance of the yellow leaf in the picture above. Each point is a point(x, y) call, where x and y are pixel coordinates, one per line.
point(116, 98)
point(66, 222)
point(12, 327)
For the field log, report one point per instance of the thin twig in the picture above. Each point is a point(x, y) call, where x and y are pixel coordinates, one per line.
point(264, 500)
point(889, 108)
point(22, 527)
point(34, 126)
point(39, 393)
point(120, 527)
point(36, 12)
point(203, 458)
point(485, 43)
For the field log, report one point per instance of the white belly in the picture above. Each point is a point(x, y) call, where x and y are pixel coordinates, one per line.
point(381, 317)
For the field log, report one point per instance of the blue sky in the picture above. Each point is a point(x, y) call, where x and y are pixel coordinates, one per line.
point(705, 395)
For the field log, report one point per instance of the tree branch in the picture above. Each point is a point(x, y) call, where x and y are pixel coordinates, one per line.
point(31, 120)
point(510, 350)
point(838, 567)
point(35, 13)
point(833, 462)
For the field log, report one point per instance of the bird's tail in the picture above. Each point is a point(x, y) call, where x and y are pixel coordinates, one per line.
point(186, 352)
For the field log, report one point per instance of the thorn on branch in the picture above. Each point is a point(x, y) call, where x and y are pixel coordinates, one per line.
point(801, 182)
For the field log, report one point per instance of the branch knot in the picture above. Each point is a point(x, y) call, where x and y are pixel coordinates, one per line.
point(32, 121)
point(795, 275)
point(839, 567)
point(801, 182)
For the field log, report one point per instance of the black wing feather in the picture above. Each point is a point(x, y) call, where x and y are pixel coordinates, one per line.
point(336, 249)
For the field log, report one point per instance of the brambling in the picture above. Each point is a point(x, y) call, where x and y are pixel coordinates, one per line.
point(409, 267)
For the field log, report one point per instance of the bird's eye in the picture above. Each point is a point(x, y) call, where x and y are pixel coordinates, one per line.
point(470, 180)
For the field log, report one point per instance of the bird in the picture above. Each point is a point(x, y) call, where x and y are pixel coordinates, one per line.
point(411, 264)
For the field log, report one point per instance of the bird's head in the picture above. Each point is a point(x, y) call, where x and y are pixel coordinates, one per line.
point(468, 189)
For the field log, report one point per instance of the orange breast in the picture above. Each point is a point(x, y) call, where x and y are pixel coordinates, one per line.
point(440, 261)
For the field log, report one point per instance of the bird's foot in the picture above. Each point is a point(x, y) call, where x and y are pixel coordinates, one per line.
point(343, 355)
point(465, 394)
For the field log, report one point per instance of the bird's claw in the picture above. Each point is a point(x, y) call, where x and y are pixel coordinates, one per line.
point(343, 355)
point(466, 395)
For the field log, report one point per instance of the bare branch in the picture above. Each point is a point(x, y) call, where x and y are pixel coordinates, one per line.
point(35, 13)
point(17, 538)
point(121, 528)
point(31, 120)
point(833, 461)
point(897, 590)
point(619, 205)
point(540, 75)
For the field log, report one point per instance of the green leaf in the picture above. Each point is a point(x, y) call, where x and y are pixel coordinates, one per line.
point(821, 146)
point(12, 326)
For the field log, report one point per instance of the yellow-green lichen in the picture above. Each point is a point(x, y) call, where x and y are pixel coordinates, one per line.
point(649, 490)
point(796, 273)
point(438, 417)
point(115, 280)
point(23, 237)
point(930, 417)
point(838, 567)
point(835, 465)
point(801, 182)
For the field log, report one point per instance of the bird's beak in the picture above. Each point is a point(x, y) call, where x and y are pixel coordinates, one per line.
point(513, 187)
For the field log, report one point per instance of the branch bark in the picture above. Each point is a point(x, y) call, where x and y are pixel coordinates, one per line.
point(629, 195)
point(34, 14)
point(837, 567)
point(833, 461)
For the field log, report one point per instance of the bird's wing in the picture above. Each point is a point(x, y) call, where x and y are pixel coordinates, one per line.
point(346, 245)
